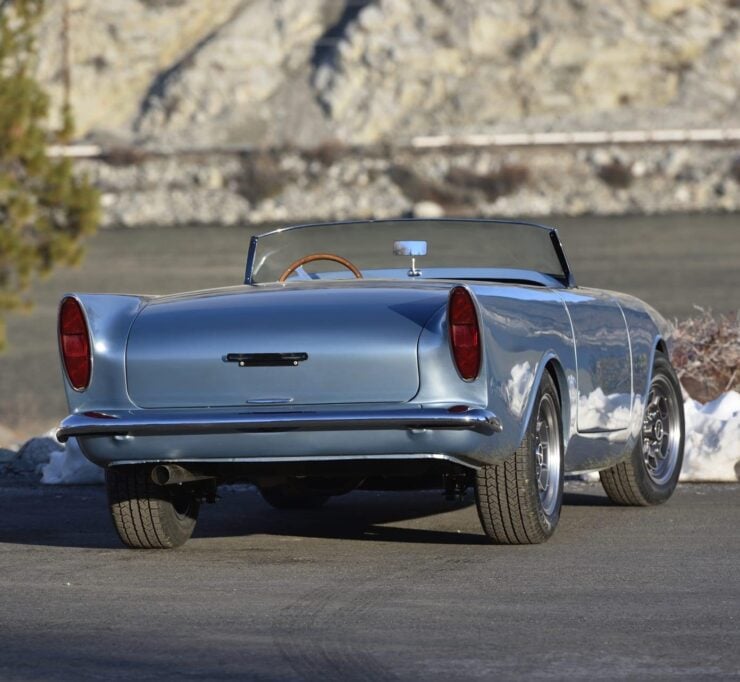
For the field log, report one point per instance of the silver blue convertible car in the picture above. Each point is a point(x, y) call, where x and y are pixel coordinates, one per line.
point(447, 353)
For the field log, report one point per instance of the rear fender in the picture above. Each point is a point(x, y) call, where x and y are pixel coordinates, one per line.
point(551, 360)
point(439, 381)
point(109, 319)
point(641, 392)
point(648, 330)
point(525, 328)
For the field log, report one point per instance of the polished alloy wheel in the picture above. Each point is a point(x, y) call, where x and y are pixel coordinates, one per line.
point(661, 431)
point(547, 454)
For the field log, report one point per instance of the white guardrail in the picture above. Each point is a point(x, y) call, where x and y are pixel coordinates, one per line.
point(579, 138)
point(550, 139)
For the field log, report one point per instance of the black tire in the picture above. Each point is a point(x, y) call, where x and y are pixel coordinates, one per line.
point(636, 482)
point(293, 495)
point(510, 506)
point(146, 515)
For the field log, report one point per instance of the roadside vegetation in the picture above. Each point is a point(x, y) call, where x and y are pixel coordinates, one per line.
point(706, 354)
point(45, 210)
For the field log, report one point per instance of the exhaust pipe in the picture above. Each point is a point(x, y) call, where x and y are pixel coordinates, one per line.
point(174, 474)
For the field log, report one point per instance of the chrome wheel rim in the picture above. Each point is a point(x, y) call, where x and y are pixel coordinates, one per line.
point(547, 454)
point(661, 431)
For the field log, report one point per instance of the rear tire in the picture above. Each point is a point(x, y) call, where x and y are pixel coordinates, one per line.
point(293, 495)
point(146, 515)
point(651, 473)
point(519, 500)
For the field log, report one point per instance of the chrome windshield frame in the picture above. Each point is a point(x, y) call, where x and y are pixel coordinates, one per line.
point(567, 279)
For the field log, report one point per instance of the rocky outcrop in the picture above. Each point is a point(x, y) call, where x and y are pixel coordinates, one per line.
point(118, 49)
point(340, 183)
point(296, 72)
point(432, 65)
point(228, 87)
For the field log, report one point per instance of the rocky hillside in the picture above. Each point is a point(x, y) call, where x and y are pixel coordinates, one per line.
point(365, 71)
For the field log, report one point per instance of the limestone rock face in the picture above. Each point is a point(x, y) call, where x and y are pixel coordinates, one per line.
point(204, 72)
point(118, 48)
point(415, 68)
point(223, 88)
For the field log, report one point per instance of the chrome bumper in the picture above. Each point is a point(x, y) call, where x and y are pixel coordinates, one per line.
point(159, 423)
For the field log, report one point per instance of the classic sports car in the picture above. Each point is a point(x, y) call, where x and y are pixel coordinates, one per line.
point(448, 353)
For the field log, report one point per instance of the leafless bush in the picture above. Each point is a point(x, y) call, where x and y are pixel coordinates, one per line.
point(706, 354)
point(125, 156)
point(262, 177)
point(418, 188)
point(735, 167)
point(494, 184)
point(327, 153)
point(616, 174)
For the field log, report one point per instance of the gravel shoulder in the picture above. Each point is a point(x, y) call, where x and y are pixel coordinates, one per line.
point(374, 586)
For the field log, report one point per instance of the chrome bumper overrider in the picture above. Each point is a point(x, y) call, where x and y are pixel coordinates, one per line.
point(159, 423)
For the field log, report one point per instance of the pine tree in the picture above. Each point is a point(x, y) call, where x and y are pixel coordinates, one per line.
point(45, 210)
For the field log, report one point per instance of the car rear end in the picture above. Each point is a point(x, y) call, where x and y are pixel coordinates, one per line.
point(302, 372)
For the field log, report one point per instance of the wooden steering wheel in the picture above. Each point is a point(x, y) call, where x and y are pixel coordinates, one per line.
point(320, 256)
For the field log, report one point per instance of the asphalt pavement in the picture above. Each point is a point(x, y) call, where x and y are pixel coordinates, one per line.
point(375, 586)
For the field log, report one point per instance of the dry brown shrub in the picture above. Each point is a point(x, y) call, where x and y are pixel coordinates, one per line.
point(420, 188)
point(327, 152)
point(735, 166)
point(616, 174)
point(262, 177)
point(125, 156)
point(494, 184)
point(706, 354)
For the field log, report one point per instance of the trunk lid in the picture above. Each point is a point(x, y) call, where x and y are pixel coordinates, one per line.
point(360, 339)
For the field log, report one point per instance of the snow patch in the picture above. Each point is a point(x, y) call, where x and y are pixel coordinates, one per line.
point(69, 466)
point(712, 448)
point(54, 462)
point(28, 460)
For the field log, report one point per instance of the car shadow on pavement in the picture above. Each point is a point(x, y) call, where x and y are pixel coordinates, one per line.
point(374, 516)
point(77, 516)
point(72, 516)
point(582, 499)
point(363, 515)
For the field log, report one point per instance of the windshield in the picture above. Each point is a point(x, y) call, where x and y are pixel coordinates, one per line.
point(474, 249)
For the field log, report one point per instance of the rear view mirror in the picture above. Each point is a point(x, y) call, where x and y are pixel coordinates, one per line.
point(410, 248)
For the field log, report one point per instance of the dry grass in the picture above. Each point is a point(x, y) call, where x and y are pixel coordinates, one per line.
point(21, 418)
point(706, 354)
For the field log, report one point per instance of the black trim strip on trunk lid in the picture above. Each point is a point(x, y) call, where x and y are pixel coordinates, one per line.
point(266, 359)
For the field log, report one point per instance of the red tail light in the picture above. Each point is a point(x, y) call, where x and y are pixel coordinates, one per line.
point(74, 342)
point(464, 333)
